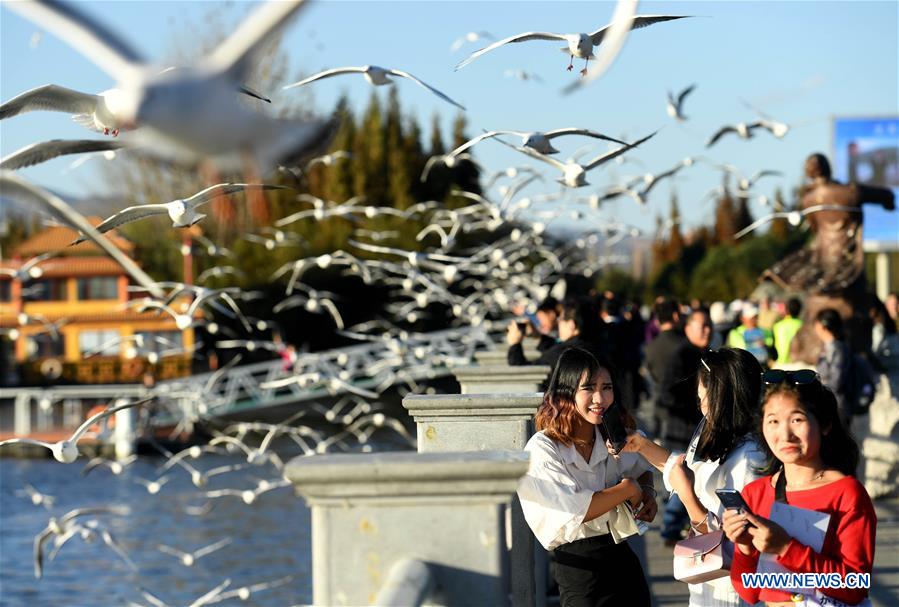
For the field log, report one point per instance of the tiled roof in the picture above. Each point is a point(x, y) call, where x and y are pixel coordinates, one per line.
point(59, 237)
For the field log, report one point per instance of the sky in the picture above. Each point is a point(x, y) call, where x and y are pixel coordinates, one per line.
point(803, 63)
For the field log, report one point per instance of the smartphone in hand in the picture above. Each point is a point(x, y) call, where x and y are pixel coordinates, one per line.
point(613, 428)
point(732, 500)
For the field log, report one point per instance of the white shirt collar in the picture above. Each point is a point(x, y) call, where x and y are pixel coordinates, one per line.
point(600, 453)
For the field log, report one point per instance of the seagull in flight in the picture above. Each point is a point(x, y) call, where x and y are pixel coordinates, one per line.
point(537, 140)
point(188, 113)
point(66, 450)
point(189, 558)
point(579, 45)
point(795, 217)
point(377, 76)
point(574, 175)
point(745, 130)
point(29, 270)
point(182, 212)
point(37, 153)
point(470, 37)
point(676, 104)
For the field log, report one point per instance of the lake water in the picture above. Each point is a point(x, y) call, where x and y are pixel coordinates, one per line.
point(271, 537)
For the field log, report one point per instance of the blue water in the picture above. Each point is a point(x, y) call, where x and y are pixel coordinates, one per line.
point(271, 537)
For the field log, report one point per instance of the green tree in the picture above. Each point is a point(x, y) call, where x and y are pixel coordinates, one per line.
point(725, 217)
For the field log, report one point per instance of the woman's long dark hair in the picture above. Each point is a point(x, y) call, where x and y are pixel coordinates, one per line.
point(557, 415)
point(838, 449)
point(733, 383)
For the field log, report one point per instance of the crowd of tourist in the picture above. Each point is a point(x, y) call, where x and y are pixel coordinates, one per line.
point(754, 447)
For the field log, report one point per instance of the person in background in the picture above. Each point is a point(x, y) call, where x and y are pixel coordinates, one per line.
point(724, 452)
point(884, 341)
point(698, 329)
point(750, 336)
point(572, 492)
point(547, 316)
point(785, 330)
point(768, 314)
point(721, 324)
point(891, 303)
point(672, 362)
point(835, 360)
point(577, 329)
point(810, 464)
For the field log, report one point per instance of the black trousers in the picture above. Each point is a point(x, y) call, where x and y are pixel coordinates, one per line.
point(596, 572)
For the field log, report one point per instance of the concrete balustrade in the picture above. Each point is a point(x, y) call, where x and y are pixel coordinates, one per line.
point(502, 379)
point(476, 422)
point(371, 513)
point(473, 422)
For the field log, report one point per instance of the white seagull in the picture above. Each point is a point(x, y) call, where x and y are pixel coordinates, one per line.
point(189, 558)
point(66, 450)
point(470, 37)
point(186, 113)
point(795, 217)
point(378, 76)
point(579, 45)
point(182, 212)
point(676, 104)
point(574, 175)
point(37, 153)
point(745, 130)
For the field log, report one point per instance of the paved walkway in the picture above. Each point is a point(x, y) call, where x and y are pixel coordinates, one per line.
point(885, 581)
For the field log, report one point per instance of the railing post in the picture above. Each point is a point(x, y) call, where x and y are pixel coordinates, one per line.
point(444, 509)
point(125, 432)
point(22, 420)
point(493, 379)
point(476, 422)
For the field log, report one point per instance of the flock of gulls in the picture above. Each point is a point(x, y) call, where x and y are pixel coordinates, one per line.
point(206, 113)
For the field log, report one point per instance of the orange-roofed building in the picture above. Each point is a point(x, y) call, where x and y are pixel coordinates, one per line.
point(69, 321)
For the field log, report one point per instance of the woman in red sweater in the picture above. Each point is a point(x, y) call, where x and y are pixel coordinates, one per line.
point(811, 462)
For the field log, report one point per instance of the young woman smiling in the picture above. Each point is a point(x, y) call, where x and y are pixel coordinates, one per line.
point(571, 493)
point(811, 460)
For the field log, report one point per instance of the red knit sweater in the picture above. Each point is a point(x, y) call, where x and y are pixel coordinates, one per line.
point(848, 544)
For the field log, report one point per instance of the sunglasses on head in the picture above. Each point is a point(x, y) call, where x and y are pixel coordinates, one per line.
point(799, 378)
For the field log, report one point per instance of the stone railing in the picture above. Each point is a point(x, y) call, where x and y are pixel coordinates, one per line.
point(419, 527)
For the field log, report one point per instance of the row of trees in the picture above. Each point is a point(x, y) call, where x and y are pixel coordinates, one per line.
point(709, 263)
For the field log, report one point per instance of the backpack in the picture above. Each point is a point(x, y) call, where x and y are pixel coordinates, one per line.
point(862, 385)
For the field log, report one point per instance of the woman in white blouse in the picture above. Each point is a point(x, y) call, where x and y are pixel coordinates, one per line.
point(574, 492)
point(723, 454)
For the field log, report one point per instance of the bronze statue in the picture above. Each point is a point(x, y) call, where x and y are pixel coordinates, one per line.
point(830, 271)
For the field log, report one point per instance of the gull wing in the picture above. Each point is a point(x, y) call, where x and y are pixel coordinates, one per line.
point(638, 22)
point(221, 189)
point(424, 84)
point(126, 216)
point(535, 154)
point(92, 39)
point(602, 158)
point(212, 547)
point(524, 37)
point(584, 132)
point(482, 137)
point(52, 98)
point(102, 414)
point(719, 134)
point(37, 153)
point(22, 190)
point(684, 93)
point(233, 54)
point(337, 71)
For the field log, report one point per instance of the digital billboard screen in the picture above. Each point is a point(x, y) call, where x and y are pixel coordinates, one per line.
point(866, 150)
